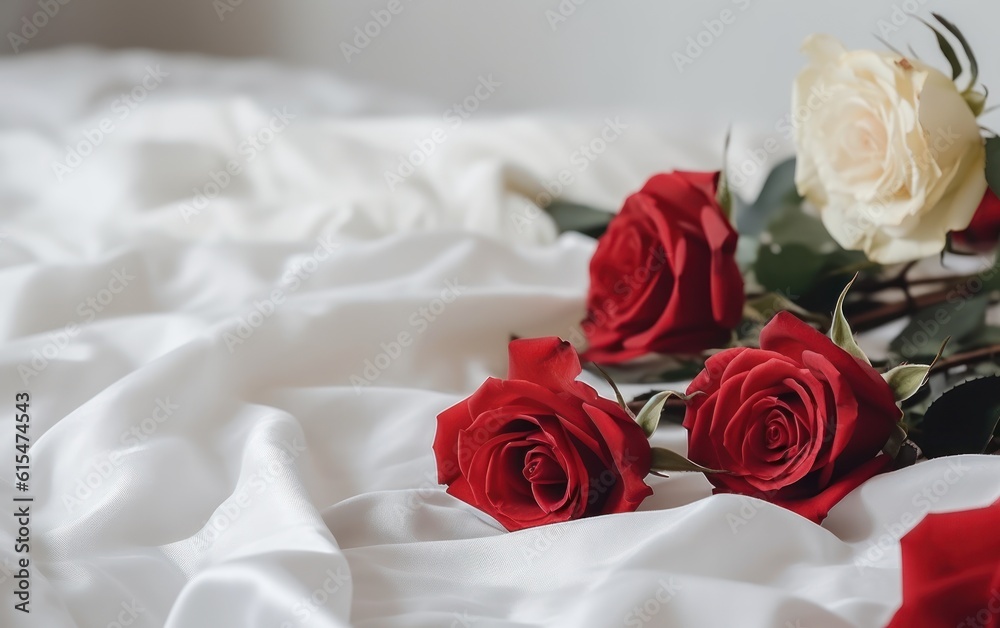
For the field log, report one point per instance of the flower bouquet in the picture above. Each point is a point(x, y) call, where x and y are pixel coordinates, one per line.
point(886, 219)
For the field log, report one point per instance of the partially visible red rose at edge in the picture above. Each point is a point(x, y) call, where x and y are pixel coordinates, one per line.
point(540, 447)
point(951, 570)
point(798, 422)
point(664, 278)
point(983, 232)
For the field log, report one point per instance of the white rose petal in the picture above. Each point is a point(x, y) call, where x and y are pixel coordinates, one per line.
point(888, 151)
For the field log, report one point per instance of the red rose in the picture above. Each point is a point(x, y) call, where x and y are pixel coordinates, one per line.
point(799, 422)
point(983, 232)
point(951, 571)
point(664, 277)
point(540, 447)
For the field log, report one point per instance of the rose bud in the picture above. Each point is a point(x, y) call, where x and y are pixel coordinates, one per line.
point(983, 232)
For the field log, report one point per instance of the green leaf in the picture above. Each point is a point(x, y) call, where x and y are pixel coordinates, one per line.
point(777, 194)
point(723, 194)
point(666, 460)
point(580, 218)
point(962, 420)
point(763, 308)
point(788, 268)
point(929, 327)
point(906, 379)
point(993, 163)
point(973, 64)
point(649, 416)
point(976, 101)
point(946, 49)
point(896, 440)
point(840, 330)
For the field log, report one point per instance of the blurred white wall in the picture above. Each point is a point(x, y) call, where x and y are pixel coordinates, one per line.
point(548, 54)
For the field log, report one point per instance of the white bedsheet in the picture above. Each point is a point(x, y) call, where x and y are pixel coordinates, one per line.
point(204, 452)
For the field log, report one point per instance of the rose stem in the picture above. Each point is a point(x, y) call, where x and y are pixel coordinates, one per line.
point(964, 359)
point(891, 311)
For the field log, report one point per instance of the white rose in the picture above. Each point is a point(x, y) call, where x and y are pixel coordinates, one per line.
point(888, 151)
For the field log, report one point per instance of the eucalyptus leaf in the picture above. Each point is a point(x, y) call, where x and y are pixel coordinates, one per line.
point(906, 379)
point(840, 330)
point(666, 460)
point(580, 218)
point(962, 420)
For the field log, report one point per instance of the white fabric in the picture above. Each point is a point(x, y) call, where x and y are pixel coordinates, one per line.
point(203, 457)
